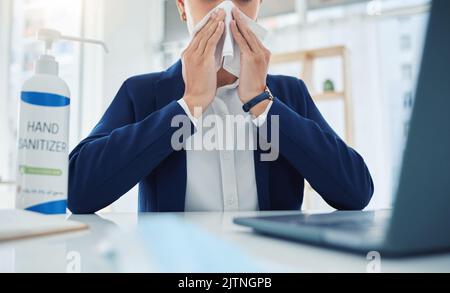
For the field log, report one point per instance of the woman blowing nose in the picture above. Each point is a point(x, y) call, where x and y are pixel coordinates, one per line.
point(134, 141)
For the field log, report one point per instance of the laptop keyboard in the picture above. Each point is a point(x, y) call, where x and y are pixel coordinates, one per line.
point(342, 220)
point(351, 224)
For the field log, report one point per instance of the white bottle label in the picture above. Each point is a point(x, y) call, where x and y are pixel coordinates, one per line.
point(43, 153)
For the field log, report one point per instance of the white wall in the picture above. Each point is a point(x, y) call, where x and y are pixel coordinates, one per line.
point(373, 84)
point(359, 36)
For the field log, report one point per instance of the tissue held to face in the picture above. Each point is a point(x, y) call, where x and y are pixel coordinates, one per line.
point(227, 53)
point(196, 10)
point(217, 25)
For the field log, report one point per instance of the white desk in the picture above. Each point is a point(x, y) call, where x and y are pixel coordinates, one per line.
point(90, 251)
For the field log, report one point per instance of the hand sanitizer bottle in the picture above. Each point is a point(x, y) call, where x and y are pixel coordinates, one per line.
point(43, 135)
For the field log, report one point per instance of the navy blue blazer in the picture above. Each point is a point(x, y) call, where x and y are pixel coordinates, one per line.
point(132, 144)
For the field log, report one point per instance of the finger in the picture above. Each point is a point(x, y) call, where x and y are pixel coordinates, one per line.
point(240, 40)
point(209, 31)
point(204, 39)
point(215, 38)
point(197, 38)
point(258, 44)
point(245, 31)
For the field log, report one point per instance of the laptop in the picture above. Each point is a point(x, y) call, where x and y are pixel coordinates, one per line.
point(420, 220)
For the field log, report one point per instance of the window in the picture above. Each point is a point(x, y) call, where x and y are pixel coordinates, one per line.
point(27, 16)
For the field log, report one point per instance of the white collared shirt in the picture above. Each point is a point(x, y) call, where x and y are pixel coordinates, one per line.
point(222, 179)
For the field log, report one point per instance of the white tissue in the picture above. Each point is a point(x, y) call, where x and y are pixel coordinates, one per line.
point(228, 52)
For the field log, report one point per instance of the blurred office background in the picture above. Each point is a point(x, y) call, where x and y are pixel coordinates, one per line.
point(359, 58)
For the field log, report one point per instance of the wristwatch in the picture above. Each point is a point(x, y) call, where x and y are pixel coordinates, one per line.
point(266, 95)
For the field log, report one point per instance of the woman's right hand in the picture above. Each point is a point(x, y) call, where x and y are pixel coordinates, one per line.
point(199, 65)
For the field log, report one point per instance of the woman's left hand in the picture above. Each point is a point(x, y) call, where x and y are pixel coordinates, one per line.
point(255, 59)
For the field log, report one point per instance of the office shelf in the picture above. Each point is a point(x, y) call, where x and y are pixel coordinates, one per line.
point(307, 58)
point(329, 96)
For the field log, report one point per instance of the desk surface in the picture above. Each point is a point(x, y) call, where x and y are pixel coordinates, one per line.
point(235, 249)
